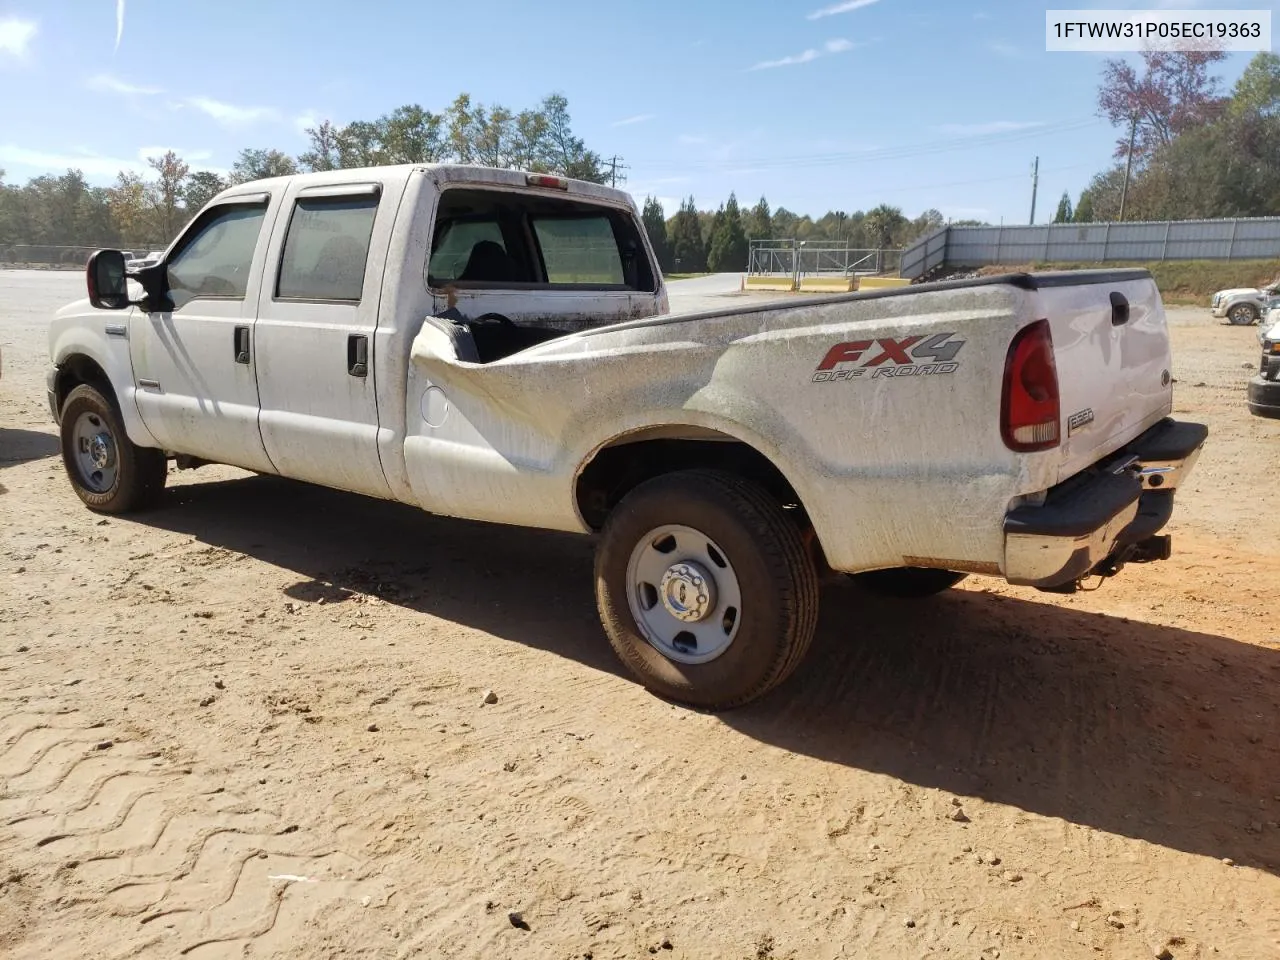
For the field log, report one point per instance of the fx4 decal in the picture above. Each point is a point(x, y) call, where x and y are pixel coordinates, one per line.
point(889, 357)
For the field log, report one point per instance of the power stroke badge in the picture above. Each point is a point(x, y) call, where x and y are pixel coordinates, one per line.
point(890, 357)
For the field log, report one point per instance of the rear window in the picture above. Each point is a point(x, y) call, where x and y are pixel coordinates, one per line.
point(579, 250)
point(504, 238)
point(455, 243)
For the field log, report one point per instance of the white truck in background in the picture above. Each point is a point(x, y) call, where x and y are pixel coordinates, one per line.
point(497, 345)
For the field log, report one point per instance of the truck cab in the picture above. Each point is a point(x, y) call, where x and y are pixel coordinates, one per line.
point(274, 332)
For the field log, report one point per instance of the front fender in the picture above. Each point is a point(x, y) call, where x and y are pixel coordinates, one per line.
point(100, 340)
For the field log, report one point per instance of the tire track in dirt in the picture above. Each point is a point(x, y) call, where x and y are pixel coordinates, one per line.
point(149, 858)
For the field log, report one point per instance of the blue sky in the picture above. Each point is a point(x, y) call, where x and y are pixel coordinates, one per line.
point(818, 104)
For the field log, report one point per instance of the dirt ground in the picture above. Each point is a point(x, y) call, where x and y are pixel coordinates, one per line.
point(251, 724)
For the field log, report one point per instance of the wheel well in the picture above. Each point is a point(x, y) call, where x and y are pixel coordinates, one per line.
point(78, 369)
point(617, 470)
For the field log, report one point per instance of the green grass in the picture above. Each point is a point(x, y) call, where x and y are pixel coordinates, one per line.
point(684, 276)
point(1190, 282)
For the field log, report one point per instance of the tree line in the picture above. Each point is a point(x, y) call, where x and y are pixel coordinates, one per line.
point(1191, 152)
point(147, 211)
point(693, 240)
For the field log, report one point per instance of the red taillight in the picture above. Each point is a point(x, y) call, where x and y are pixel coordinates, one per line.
point(544, 180)
point(1029, 407)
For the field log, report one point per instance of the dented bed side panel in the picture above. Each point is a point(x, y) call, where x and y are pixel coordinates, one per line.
point(882, 413)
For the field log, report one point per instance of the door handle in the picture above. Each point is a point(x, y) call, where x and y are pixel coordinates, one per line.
point(242, 344)
point(358, 355)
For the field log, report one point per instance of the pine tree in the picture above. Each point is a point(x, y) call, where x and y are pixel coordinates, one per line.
point(759, 225)
point(1084, 209)
point(1065, 212)
point(715, 230)
point(655, 225)
point(688, 253)
point(728, 248)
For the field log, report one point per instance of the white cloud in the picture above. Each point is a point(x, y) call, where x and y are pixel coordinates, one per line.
point(994, 126)
point(306, 120)
point(16, 36)
point(229, 114)
point(834, 46)
point(92, 164)
point(190, 156)
point(119, 23)
point(846, 7)
point(638, 118)
point(1006, 50)
point(106, 83)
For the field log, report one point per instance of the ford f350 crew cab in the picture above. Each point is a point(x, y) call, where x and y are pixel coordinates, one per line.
point(497, 346)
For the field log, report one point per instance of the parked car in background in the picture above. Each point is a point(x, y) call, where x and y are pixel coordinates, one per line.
point(132, 262)
point(1243, 305)
point(1264, 389)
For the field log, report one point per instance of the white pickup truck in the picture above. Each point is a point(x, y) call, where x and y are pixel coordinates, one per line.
point(497, 346)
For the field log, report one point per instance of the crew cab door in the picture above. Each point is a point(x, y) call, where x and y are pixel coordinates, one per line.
point(317, 313)
point(194, 365)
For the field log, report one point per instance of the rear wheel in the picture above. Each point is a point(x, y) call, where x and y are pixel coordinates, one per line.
point(910, 583)
point(107, 470)
point(705, 588)
point(1242, 314)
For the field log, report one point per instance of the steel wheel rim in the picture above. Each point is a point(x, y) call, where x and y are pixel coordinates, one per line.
point(684, 594)
point(1240, 315)
point(95, 453)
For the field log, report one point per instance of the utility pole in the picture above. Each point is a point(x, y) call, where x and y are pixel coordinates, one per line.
point(1128, 163)
point(615, 165)
point(1035, 185)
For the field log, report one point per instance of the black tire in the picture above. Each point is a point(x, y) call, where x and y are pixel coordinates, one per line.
point(908, 583)
point(775, 572)
point(140, 471)
point(1243, 314)
point(1264, 398)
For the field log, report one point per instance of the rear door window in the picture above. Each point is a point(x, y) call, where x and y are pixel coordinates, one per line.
point(326, 249)
point(579, 250)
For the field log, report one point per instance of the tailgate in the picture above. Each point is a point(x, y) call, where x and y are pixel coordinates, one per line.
point(1111, 347)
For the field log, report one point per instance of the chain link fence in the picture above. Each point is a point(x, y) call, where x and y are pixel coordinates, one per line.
point(60, 257)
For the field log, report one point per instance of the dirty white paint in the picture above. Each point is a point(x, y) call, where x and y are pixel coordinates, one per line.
point(887, 467)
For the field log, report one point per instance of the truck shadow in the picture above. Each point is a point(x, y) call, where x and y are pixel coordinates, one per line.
point(22, 446)
point(1147, 731)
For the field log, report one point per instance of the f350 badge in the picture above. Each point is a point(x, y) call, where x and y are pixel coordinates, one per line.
point(890, 357)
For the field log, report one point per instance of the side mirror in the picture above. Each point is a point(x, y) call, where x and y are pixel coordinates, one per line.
point(108, 285)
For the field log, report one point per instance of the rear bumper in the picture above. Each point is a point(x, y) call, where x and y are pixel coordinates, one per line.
point(1104, 515)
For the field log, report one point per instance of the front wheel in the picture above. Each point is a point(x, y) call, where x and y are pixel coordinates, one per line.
point(107, 471)
point(1242, 314)
point(705, 588)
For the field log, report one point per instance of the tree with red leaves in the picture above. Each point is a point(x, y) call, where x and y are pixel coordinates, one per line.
point(1173, 93)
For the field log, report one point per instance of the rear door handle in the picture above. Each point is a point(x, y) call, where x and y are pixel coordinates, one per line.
point(242, 344)
point(358, 355)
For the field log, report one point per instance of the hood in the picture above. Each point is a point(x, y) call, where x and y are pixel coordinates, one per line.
point(1237, 292)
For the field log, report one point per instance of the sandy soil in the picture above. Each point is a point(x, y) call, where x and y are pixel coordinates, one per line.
point(251, 724)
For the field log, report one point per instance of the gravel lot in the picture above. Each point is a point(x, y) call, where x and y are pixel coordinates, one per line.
point(252, 723)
